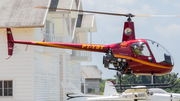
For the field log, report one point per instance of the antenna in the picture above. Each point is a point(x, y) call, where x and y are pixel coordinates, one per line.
point(103, 39)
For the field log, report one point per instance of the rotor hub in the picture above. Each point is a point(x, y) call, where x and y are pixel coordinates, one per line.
point(129, 17)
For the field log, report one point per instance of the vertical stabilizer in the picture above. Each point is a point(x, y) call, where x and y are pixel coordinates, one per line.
point(10, 41)
point(70, 88)
point(109, 89)
point(128, 32)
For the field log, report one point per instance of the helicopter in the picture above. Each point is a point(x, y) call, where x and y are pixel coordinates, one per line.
point(131, 56)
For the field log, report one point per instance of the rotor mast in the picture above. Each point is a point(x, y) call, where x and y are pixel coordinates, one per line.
point(128, 32)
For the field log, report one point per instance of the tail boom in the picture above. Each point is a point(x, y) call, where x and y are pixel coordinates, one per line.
point(85, 47)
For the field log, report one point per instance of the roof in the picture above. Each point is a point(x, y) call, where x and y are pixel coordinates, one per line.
point(91, 72)
point(86, 21)
point(65, 4)
point(77, 4)
point(21, 13)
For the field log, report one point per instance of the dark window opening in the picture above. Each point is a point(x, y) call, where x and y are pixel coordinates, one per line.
point(79, 20)
point(91, 90)
point(6, 88)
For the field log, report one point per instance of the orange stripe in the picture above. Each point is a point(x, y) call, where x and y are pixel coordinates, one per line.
point(141, 61)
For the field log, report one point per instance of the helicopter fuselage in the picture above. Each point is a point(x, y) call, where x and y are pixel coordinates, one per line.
point(152, 59)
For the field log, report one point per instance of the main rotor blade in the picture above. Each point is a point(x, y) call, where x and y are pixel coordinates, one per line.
point(116, 14)
point(157, 15)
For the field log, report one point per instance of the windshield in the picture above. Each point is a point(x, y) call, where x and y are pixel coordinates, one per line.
point(161, 55)
point(157, 90)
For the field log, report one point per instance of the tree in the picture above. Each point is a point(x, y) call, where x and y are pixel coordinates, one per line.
point(144, 79)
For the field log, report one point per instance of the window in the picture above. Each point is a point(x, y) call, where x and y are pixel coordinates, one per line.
point(6, 88)
point(47, 26)
point(140, 48)
point(91, 90)
point(47, 34)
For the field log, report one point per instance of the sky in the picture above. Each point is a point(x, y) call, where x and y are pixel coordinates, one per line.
point(165, 31)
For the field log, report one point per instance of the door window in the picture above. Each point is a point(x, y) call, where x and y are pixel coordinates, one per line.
point(140, 48)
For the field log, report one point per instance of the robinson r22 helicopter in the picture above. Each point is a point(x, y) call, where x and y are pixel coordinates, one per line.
point(131, 56)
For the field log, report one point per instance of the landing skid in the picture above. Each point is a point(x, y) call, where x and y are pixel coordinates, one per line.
point(143, 86)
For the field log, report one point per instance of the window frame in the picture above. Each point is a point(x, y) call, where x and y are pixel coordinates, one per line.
point(3, 88)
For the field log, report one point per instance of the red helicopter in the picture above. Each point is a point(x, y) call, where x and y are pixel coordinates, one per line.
point(131, 56)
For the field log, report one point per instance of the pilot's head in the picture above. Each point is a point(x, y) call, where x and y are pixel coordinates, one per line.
point(140, 47)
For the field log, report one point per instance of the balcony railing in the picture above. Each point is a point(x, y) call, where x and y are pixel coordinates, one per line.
point(79, 53)
point(64, 39)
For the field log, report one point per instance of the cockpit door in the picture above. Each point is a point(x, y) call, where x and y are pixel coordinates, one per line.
point(141, 51)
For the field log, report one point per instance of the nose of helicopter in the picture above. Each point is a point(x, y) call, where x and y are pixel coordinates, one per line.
point(160, 54)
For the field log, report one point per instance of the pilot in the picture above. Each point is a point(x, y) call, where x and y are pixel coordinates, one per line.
point(138, 50)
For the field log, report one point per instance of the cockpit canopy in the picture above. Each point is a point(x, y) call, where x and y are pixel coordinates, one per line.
point(160, 54)
point(157, 91)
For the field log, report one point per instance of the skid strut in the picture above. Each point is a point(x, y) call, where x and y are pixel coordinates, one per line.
point(152, 78)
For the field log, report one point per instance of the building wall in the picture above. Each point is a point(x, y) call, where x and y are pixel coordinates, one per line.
point(69, 70)
point(61, 75)
point(46, 71)
point(35, 74)
point(73, 73)
point(92, 84)
point(19, 67)
point(46, 77)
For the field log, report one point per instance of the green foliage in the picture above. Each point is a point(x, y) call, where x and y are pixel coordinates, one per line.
point(92, 91)
point(144, 79)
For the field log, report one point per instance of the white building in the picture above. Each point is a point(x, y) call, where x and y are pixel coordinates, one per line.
point(91, 78)
point(35, 73)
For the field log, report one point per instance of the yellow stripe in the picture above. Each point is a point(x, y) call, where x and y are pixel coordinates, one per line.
point(141, 61)
point(54, 45)
point(59, 46)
